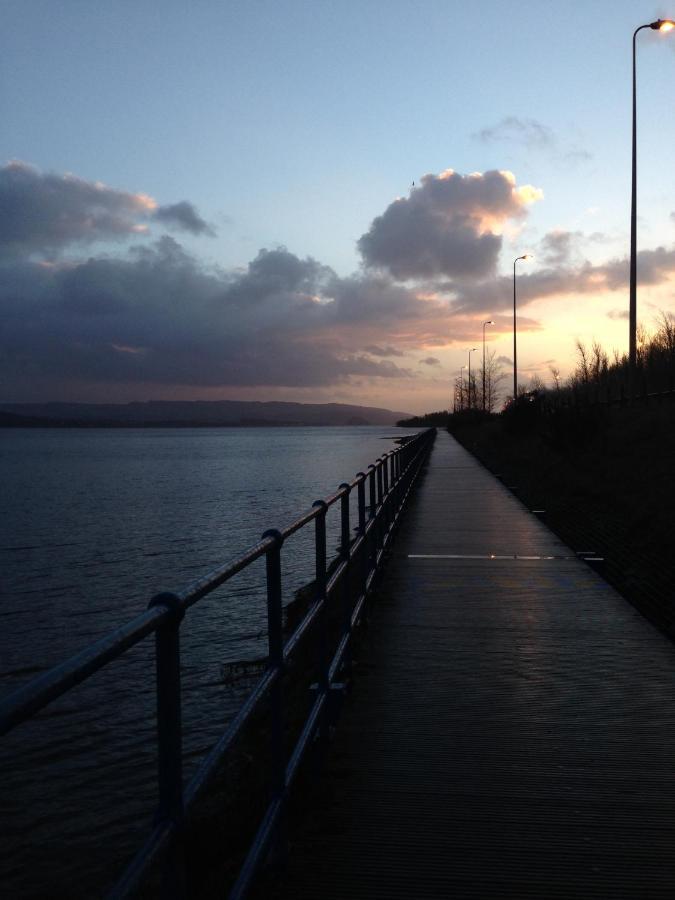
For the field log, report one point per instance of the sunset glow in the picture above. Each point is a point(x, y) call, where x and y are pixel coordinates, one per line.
point(202, 264)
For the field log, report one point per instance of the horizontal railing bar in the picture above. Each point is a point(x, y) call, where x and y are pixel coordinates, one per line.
point(133, 874)
point(335, 577)
point(202, 586)
point(338, 495)
point(211, 761)
point(260, 843)
point(34, 696)
point(304, 739)
point(305, 519)
point(356, 615)
point(306, 623)
point(384, 516)
point(337, 659)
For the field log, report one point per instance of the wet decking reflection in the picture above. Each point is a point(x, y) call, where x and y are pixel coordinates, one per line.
point(512, 727)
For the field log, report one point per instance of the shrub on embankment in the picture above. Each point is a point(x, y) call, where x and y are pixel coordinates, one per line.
point(605, 476)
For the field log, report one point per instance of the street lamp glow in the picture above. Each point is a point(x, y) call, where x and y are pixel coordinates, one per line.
point(664, 25)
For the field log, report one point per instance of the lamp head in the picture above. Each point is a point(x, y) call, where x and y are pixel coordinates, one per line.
point(489, 323)
point(663, 25)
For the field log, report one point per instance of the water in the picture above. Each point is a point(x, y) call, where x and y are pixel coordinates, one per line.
point(94, 523)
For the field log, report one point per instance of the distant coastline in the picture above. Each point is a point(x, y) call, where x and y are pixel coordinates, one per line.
point(193, 414)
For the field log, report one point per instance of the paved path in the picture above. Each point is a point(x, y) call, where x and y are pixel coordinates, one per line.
point(512, 727)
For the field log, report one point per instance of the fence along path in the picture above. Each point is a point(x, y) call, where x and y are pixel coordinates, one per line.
point(512, 727)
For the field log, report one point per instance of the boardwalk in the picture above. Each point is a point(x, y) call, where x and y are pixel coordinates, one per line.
point(512, 727)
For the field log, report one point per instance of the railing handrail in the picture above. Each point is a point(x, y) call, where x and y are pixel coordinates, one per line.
point(393, 470)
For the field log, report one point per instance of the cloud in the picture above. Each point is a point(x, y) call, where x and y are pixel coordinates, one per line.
point(558, 247)
point(430, 361)
point(524, 131)
point(374, 350)
point(183, 215)
point(618, 314)
point(448, 226)
point(46, 212)
point(533, 135)
point(158, 316)
point(654, 267)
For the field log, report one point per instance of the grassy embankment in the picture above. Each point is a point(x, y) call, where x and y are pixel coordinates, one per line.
point(606, 478)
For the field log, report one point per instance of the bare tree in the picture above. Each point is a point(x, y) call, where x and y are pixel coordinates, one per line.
point(555, 375)
point(492, 378)
point(458, 394)
point(582, 373)
point(599, 362)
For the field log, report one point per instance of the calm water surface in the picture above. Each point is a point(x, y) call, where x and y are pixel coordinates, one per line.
point(95, 522)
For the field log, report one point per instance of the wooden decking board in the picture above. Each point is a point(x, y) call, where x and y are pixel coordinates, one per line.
point(511, 732)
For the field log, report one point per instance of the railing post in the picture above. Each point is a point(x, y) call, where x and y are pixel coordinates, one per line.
point(169, 743)
point(345, 554)
point(275, 642)
point(372, 497)
point(361, 501)
point(320, 580)
point(396, 474)
point(372, 530)
point(387, 496)
point(381, 527)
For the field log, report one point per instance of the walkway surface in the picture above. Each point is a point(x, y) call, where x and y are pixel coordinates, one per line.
point(511, 732)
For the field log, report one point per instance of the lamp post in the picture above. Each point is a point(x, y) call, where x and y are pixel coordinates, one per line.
point(515, 359)
point(470, 351)
point(490, 322)
point(659, 25)
point(461, 387)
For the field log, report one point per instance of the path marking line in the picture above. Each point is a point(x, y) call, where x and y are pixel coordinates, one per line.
point(498, 556)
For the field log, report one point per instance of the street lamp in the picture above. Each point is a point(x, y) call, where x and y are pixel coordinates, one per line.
point(461, 387)
point(470, 351)
point(659, 25)
point(490, 322)
point(515, 360)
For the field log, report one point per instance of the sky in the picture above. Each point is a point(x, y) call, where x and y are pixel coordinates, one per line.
point(322, 201)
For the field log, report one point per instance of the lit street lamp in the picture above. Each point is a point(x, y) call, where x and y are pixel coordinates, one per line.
point(515, 359)
point(659, 25)
point(490, 322)
point(470, 351)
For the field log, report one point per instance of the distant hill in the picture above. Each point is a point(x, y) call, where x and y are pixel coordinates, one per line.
point(191, 414)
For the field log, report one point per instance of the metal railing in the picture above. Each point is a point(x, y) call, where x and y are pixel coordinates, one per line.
point(381, 494)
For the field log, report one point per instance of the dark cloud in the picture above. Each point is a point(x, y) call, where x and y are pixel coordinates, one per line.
point(183, 215)
point(448, 226)
point(514, 129)
point(654, 267)
point(430, 361)
point(533, 135)
point(156, 316)
point(374, 350)
point(558, 247)
point(45, 212)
